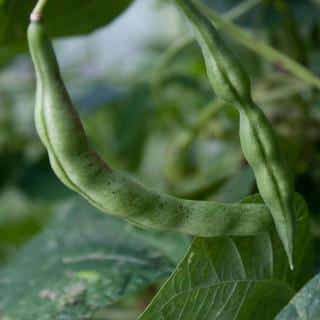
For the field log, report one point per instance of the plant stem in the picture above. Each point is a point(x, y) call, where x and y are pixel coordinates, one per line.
point(169, 54)
point(37, 12)
point(283, 92)
point(242, 8)
point(206, 115)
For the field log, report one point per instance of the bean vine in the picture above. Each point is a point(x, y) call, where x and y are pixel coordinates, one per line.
point(80, 168)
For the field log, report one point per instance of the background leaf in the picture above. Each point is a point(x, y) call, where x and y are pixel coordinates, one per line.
point(81, 262)
point(63, 18)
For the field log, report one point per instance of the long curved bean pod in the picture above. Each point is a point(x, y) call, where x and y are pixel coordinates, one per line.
point(259, 144)
point(80, 168)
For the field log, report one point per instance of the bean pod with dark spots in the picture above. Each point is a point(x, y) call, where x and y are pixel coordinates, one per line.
point(258, 140)
point(80, 168)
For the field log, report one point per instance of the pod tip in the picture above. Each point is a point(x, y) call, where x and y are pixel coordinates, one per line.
point(290, 260)
point(291, 265)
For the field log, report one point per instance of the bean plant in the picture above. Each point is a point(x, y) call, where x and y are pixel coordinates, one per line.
point(224, 258)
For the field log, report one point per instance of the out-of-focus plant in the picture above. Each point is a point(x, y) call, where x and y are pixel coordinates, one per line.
point(163, 125)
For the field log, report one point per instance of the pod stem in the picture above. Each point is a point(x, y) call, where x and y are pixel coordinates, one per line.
point(36, 14)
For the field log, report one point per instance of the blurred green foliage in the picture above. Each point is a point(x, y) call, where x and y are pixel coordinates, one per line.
point(157, 123)
point(62, 20)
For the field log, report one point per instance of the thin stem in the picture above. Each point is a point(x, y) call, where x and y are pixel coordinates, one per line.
point(283, 92)
point(210, 111)
point(242, 8)
point(169, 54)
point(37, 12)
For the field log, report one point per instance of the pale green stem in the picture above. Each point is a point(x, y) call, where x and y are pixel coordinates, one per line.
point(280, 93)
point(169, 54)
point(242, 8)
point(207, 114)
point(210, 111)
point(37, 12)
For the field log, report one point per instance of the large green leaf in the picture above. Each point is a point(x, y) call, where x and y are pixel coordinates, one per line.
point(305, 305)
point(83, 261)
point(63, 18)
point(230, 278)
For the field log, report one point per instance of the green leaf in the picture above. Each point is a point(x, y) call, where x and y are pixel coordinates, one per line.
point(230, 278)
point(217, 277)
point(305, 304)
point(63, 18)
point(20, 219)
point(83, 261)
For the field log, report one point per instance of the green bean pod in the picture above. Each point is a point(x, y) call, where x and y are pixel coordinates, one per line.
point(80, 168)
point(258, 141)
